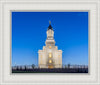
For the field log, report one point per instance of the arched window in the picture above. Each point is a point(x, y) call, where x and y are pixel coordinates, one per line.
point(50, 47)
point(50, 55)
point(50, 61)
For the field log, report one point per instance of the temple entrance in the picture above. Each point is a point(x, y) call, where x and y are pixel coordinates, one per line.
point(50, 66)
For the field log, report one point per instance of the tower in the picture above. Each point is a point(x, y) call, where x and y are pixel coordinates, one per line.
point(50, 56)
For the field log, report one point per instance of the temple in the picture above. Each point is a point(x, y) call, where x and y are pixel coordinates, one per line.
point(50, 56)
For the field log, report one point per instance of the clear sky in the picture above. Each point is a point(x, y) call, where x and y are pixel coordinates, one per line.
point(29, 35)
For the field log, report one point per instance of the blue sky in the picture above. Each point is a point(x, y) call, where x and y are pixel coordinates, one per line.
point(29, 35)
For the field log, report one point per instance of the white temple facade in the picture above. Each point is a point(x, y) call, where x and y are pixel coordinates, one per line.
point(50, 56)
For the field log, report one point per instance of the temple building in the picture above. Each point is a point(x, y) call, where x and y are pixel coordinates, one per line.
point(50, 56)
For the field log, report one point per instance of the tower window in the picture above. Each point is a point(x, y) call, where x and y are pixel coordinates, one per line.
point(50, 55)
point(50, 47)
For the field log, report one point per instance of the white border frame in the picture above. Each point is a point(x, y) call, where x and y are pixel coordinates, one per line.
point(93, 6)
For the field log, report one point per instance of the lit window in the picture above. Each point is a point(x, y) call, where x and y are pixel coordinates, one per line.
point(50, 47)
point(50, 55)
point(50, 61)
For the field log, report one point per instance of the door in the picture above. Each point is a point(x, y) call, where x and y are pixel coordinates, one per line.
point(50, 66)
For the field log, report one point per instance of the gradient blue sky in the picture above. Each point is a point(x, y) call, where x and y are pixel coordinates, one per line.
point(29, 35)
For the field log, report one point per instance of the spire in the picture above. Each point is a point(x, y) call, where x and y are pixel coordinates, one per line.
point(50, 27)
point(49, 22)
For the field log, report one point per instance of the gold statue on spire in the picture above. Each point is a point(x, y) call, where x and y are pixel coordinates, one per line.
point(49, 22)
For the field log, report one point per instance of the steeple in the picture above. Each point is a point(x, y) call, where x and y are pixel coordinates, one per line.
point(50, 35)
point(50, 27)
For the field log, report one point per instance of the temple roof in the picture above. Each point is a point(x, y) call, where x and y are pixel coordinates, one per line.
point(50, 27)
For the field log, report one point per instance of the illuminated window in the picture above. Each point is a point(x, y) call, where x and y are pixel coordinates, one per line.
point(50, 55)
point(50, 47)
point(50, 61)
